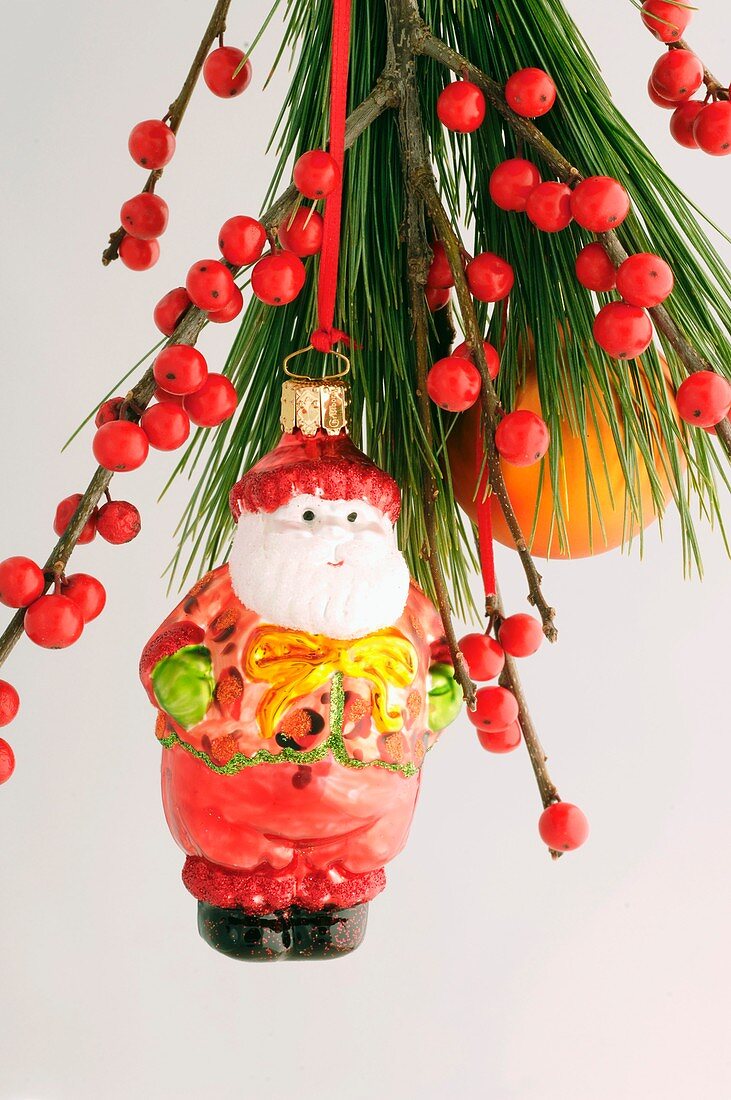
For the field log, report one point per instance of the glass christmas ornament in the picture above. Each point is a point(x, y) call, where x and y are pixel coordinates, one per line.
point(298, 688)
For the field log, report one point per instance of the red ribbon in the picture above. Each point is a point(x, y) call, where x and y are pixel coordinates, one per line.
point(484, 521)
point(326, 336)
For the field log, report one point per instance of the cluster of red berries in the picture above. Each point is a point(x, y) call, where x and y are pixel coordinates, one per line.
point(623, 329)
point(562, 826)
point(676, 76)
point(454, 383)
point(489, 277)
point(52, 621)
point(461, 105)
point(151, 144)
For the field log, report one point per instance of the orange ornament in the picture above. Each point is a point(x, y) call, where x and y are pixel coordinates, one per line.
point(585, 532)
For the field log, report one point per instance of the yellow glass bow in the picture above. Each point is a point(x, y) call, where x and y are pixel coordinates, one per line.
point(295, 664)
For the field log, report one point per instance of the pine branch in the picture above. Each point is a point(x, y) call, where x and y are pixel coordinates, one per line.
point(429, 45)
point(187, 332)
point(414, 159)
point(177, 109)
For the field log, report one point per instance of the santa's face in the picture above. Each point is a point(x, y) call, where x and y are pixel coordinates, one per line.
point(324, 566)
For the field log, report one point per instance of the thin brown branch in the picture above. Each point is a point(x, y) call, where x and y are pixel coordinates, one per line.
point(429, 45)
point(488, 397)
point(177, 109)
point(509, 678)
point(413, 156)
point(187, 332)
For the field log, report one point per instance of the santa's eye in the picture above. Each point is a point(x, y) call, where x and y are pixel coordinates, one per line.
point(308, 516)
point(352, 517)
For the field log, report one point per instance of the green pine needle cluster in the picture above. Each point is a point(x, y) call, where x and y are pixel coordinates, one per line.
point(575, 378)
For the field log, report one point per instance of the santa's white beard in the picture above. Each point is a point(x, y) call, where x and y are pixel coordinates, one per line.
point(282, 568)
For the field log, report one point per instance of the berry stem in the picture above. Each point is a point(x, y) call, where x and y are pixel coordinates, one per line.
point(177, 109)
point(428, 44)
point(414, 158)
point(187, 332)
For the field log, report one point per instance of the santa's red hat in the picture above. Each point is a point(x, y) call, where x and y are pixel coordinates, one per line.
point(321, 465)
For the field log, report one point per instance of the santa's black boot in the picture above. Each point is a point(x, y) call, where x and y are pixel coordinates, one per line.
point(326, 933)
point(242, 935)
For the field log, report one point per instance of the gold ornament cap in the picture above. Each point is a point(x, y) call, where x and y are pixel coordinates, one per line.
point(315, 404)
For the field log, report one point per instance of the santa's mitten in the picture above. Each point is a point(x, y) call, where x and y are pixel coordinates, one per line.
point(445, 696)
point(183, 684)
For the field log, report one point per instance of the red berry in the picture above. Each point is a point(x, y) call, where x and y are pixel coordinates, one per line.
point(622, 330)
point(712, 129)
point(278, 278)
point(682, 122)
point(594, 269)
point(437, 297)
point(440, 273)
point(161, 396)
point(108, 410)
point(180, 369)
point(9, 703)
point(230, 311)
point(54, 622)
point(210, 284)
point(484, 657)
point(301, 232)
point(316, 174)
point(461, 107)
point(500, 741)
point(7, 761)
point(666, 21)
point(704, 398)
point(491, 356)
point(219, 68)
point(170, 309)
point(522, 437)
point(21, 581)
point(138, 255)
point(677, 74)
point(120, 446)
point(530, 93)
point(549, 206)
point(167, 426)
point(512, 182)
point(151, 144)
point(65, 511)
point(599, 203)
point(118, 522)
point(520, 635)
point(490, 277)
point(87, 593)
point(454, 383)
point(563, 827)
point(497, 708)
point(658, 100)
point(241, 240)
point(145, 216)
point(644, 280)
point(213, 403)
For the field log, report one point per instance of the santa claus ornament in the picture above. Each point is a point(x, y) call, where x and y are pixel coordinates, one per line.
point(298, 693)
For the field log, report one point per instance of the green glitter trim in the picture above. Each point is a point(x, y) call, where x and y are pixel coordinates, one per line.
point(334, 745)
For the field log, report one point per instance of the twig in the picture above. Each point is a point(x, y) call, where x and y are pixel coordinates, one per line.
point(400, 64)
point(187, 332)
point(429, 45)
point(176, 110)
point(488, 397)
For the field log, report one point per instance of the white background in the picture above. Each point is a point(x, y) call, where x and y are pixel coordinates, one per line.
point(487, 970)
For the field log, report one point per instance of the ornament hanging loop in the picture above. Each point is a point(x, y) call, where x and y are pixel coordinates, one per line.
point(345, 370)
